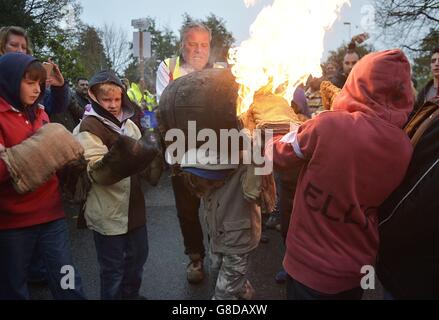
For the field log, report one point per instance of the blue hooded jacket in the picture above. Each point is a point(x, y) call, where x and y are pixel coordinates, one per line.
point(12, 70)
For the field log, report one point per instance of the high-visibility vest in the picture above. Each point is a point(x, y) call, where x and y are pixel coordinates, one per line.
point(151, 102)
point(148, 120)
point(135, 95)
point(174, 68)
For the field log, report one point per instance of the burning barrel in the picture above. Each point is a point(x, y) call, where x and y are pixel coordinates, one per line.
point(207, 97)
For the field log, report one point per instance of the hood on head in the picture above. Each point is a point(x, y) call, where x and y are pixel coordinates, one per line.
point(108, 76)
point(12, 68)
point(379, 85)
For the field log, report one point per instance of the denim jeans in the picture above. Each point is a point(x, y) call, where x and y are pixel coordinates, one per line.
point(121, 259)
point(37, 269)
point(298, 291)
point(388, 296)
point(17, 247)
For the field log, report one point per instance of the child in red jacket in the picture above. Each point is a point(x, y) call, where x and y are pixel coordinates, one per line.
point(31, 216)
point(353, 157)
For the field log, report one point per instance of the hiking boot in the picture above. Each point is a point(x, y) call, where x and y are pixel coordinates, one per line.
point(194, 270)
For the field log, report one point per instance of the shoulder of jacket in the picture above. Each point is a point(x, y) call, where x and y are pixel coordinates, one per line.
point(98, 128)
point(88, 138)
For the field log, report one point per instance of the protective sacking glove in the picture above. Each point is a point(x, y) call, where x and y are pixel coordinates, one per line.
point(126, 157)
point(34, 161)
point(270, 112)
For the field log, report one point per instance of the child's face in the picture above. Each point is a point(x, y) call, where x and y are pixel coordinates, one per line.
point(111, 101)
point(30, 90)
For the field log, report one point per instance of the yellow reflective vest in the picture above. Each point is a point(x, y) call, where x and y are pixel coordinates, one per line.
point(147, 99)
point(174, 68)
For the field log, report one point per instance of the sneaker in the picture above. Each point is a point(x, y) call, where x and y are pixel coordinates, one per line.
point(281, 277)
point(194, 270)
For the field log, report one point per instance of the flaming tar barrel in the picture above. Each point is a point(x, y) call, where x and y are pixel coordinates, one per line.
point(207, 97)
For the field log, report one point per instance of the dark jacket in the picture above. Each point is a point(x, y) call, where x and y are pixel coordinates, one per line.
point(81, 100)
point(56, 99)
point(71, 117)
point(338, 80)
point(408, 260)
point(422, 95)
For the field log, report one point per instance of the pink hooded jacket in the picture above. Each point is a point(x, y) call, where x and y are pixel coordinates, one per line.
point(354, 156)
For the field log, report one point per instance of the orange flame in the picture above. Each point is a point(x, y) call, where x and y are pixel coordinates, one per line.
point(284, 49)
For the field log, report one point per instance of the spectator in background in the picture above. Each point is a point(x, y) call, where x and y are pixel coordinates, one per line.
point(300, 104)
point(194, 56)
point(195, 52)
point(56, 99)
point(332, 74)
point(431, 88)
point(351, 57)
point(81, 92)
point(313, 96)
point(75, 110)
point(349, 61)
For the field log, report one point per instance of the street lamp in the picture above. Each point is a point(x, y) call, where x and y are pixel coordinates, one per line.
point(143, 36)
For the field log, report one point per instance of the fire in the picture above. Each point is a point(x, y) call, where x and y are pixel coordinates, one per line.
point(285, 47)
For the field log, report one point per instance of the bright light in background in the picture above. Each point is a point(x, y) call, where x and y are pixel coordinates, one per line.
point(249, 3)
point(286, 45)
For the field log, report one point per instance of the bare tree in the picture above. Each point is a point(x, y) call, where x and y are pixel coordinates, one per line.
point(43, 11)
point(116, 46)
point(408, 21)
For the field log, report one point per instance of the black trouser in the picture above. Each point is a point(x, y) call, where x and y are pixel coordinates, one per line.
point(298, 291)
point(187, 211)
point(287, 192)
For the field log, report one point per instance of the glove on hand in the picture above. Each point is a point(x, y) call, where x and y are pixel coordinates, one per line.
point(34, 161)
point(126, 157)
point(270, 112)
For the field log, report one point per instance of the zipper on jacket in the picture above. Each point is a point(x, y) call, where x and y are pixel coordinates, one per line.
point(409, 193)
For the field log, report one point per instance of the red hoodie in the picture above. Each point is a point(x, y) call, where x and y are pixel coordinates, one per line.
point(355, 156)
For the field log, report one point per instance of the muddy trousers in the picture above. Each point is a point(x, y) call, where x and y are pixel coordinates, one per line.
point(231, 283)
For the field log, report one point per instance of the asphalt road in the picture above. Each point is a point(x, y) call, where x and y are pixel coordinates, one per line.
point(164, 277)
